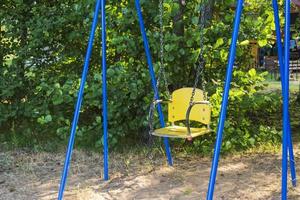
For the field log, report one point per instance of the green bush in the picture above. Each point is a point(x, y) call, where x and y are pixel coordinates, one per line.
point(251, 115)
point(44, 44)
point(248, 111)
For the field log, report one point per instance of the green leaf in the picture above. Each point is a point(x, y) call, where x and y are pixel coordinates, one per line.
point(262, 43)
point(252, 72)
point(48, 118)
point(219, 42)
point(223, 54)
point(244, 43)
point(252, 141)
point(195, 20)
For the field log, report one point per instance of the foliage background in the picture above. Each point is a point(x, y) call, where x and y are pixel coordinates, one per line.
point(43, 45)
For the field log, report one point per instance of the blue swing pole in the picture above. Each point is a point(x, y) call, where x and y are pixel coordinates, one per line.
point(291, 155)
point(222, 118)
point(78, 104)
point(281, 63)
point(153, 79)
point(285, 101)
point(104, 92)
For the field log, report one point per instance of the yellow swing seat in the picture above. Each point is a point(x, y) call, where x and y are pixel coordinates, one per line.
point(179, 109)
point(180, 132)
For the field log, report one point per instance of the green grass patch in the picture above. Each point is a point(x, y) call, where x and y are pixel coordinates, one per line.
point(276, 85)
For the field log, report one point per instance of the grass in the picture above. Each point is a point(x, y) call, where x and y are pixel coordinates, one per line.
point(276, 85)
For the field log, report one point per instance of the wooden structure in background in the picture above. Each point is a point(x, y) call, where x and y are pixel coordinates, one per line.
point(271, 65)
point(255, 53)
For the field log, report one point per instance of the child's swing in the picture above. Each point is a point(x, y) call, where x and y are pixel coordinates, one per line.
point(185, 104)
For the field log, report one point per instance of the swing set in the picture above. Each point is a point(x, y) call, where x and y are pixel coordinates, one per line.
point(190, 103)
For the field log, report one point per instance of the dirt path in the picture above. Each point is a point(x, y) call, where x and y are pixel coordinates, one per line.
point(36, 176)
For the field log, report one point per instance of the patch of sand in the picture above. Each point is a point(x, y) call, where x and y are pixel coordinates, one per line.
point(29, 176)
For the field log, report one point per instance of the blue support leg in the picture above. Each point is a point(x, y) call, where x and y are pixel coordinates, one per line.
point(153, 79)
point(213, 174)
point(104, 92)
point(78, 104)
point(285, 101)
point(281, 64)
point(291, 156)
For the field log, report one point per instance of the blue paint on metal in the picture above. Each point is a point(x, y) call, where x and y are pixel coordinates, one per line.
point(78, 104)
point(281, 63)
point(291, 156)
point(285, 101)
point(222, 118)
point(153, 79)
point(104, 92)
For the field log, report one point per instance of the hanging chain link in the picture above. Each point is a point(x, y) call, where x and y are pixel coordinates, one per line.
point(162, 71)
point(201, 62)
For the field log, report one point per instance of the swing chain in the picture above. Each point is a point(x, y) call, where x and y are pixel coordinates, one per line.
point(200, 60)
point(162, 71)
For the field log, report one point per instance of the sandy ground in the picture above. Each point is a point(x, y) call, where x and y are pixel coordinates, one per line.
point(29, 176)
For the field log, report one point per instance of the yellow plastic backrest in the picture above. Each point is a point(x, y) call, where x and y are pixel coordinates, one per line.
point(180, 103)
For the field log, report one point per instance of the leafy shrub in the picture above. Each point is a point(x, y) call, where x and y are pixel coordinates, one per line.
point(44, 46)
point(248, 112)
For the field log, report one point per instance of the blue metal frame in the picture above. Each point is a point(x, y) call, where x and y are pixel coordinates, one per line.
point(222, 117)
point(291, 156)
point(153, 79)
point(104, 92)
point(284, 70)
point(285, 101)
point(281, 63)
point(78, 104)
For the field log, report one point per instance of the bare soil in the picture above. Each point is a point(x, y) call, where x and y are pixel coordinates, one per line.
point(30, 176)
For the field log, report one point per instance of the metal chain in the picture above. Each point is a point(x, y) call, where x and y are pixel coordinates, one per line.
point(201, 62)
point(162, 71)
